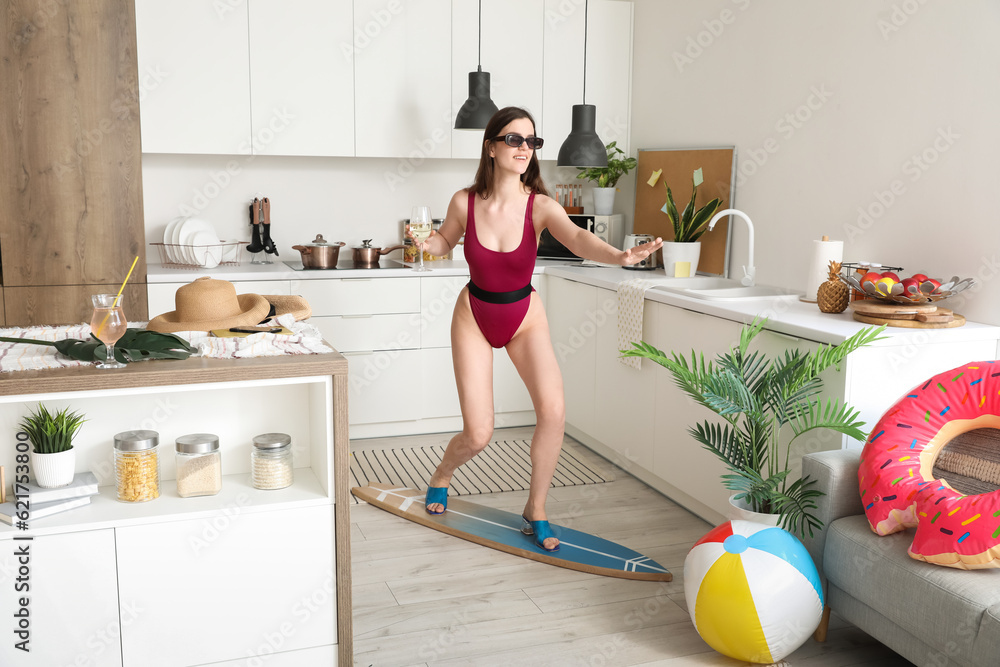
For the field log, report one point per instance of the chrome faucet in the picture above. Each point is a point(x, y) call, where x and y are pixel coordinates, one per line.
point(749, 272)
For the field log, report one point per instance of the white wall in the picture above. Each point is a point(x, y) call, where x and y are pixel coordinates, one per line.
point(891, 83)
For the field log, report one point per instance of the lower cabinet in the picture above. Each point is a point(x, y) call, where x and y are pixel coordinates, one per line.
point(69, 582)
point(194, 590)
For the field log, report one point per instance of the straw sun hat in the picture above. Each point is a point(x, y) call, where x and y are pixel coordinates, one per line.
point(207, 304)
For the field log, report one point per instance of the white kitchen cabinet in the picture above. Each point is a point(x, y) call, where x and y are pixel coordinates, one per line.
point(402, 69)
point(72, 600)
point(515, 77)
point(194, 76)
point(608, 75)
point(301, 77)
point(191, 615)
point(191, 580)
point(574, 339)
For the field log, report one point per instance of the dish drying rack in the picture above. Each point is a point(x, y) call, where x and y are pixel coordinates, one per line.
point(189, 256)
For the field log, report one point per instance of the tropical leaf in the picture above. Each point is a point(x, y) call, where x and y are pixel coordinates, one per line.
point(134, 345)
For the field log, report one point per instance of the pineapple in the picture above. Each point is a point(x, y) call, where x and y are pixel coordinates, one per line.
point(833, 295)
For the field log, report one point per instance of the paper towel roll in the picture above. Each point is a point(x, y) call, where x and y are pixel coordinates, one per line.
point(819, 265)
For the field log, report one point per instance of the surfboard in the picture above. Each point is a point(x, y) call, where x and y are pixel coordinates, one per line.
point(501, 530)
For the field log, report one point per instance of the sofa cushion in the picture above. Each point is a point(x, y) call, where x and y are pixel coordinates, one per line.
point(944, 605)
point(988, 639)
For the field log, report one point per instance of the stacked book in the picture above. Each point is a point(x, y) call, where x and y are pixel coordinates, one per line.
point(44, 502)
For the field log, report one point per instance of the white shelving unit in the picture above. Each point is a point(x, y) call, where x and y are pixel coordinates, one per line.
point(217, 571)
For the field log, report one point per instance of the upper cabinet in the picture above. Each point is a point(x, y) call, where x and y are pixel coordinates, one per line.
point(194, 76)
point(301, 77)
point(264, 77)
point(512, 52)
point(402, 65)
point(608, 73)
point(371, 78)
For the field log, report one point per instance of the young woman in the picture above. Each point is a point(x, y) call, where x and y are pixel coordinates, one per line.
point(502, 215)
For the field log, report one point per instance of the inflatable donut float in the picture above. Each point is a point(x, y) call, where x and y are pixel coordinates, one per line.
point(896, 480)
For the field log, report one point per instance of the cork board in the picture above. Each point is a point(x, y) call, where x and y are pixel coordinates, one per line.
point(719, 170)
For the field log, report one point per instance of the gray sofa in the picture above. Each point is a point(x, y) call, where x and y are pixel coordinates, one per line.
point(931, 615)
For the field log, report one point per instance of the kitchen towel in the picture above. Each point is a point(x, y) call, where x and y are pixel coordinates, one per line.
point(823, 251)
point(631, 297)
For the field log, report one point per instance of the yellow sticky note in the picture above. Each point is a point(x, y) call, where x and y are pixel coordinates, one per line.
point(682, 269)
point(654, 177)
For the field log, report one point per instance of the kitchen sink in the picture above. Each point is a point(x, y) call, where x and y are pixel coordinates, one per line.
point(712, 289)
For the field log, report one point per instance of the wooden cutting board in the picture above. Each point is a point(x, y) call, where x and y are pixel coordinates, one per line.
point(956, 321)
point(891, 310)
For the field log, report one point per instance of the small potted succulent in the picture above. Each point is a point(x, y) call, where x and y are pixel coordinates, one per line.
point(689, 225)
point(53, 459)
point(606, 178)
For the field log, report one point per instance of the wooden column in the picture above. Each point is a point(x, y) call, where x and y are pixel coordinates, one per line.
point(70, 174)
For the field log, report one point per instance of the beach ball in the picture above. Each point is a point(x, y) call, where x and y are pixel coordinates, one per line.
point(753, 591)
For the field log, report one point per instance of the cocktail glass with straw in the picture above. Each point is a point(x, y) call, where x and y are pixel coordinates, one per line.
point(108, 322)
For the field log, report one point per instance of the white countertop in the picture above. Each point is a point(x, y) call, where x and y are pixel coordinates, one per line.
point(787, 316)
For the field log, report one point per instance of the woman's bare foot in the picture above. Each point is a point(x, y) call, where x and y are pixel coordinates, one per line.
point(438, 482)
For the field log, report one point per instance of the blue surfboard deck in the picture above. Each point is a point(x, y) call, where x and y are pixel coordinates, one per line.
point(501, 530)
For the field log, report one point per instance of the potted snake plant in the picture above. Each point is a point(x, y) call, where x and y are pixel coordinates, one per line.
point(681, 255)
point(53, 459)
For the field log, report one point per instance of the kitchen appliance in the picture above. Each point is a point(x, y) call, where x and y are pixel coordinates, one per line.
point(633, 240)
point(320, 254)
point(365, 256)
point(608, 228)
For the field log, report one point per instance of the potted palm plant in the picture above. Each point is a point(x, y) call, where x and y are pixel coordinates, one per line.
point(760, 400)
point(53, 459)
point(606, 178)
point(681, 255)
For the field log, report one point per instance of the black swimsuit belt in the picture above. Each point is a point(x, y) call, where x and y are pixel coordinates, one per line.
point(499, 297)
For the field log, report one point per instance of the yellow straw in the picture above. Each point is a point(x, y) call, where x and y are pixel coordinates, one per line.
point(114, 304)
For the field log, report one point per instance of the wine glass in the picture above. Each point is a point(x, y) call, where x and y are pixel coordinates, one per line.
point(108, 324)
point(420, 230)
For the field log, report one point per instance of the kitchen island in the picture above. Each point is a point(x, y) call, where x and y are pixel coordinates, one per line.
point(246, 573)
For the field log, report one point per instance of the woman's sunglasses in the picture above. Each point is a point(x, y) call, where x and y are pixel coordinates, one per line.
point(515, 141)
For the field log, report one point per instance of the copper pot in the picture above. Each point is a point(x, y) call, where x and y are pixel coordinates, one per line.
point(319, 254)
point(366, 256)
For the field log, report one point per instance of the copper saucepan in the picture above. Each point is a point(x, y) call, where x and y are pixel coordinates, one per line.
point(320, 254)
point(366, 256)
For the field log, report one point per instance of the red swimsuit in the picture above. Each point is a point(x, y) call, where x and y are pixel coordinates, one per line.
point(500, 277)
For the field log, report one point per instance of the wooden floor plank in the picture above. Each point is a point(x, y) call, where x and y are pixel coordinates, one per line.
point(426, 598)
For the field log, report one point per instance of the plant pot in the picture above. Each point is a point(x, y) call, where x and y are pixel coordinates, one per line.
point(53, 470)
point(738, 509)
point(604, 201)
point(680, 260)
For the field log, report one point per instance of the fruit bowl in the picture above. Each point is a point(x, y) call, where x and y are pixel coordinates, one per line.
point(926, 292)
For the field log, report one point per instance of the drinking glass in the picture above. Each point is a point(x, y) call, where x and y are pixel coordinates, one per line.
point(420, 229)
point(108, 324)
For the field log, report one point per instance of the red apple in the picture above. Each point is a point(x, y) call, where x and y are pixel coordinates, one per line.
point(919, 277)
point(907, 283)
point(890, 274)
point(870, 277)
point(936, 283)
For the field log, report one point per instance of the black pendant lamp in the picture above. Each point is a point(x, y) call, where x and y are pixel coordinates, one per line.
point(479, 108)
point(583, 148)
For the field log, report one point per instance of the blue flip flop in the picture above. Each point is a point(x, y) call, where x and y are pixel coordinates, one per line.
point(540, 529)
point(436, 495)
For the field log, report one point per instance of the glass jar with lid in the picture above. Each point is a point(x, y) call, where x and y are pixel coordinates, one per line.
point(271, 461)
point(137, 467)
point(199, 465)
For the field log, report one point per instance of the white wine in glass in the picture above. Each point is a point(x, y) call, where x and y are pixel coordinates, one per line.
point(420, 230)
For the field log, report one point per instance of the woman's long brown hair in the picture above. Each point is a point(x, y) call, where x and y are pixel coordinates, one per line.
point(532, 177)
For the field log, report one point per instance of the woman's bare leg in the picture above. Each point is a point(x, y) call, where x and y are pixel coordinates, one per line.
point(472, 356)
point(535, 361)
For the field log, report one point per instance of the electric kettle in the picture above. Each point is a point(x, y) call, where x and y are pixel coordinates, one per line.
point(633, 240)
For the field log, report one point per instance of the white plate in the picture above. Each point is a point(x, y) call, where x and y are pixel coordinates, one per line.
point(175, 235)
point(187, 231)
point(206, 251)
point(168, 238)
